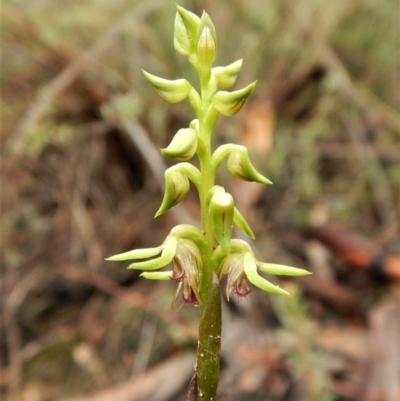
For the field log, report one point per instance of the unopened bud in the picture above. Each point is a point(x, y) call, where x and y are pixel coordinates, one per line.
point(221, 211)
point(176, 187)
point(207, 43)
point(183, 146)
point(172, 91)
point(240, 166)
point(229, 103)
point(226, 76)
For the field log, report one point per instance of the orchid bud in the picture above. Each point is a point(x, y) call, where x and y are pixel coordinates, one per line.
point(176, 187)
point(226, 76)
point(239, 165)
point(183, 146)
point(229, 103)
point(206, 51)
point(186, 31)
point(221, 211)
point(215, 190)
point(207, 42)
point(172, 91)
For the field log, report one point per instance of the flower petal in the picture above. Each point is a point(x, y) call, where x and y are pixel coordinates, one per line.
point(157, 275)
point(136, 254)
point(166, 257)
point(281, 270)
point(250, 269)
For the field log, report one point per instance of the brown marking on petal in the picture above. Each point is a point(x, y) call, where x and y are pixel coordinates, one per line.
point(178, 273)
point(241, 287)
point(189, 297)
point(239, 104)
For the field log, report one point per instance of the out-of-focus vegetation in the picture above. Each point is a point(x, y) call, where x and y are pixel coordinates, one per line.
point(80, 129)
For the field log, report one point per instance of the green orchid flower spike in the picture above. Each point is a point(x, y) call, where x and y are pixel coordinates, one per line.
point(198, 259)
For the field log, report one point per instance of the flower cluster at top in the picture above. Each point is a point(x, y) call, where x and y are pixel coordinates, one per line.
point(185, 246)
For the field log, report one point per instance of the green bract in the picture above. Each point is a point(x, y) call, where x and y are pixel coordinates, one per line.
point(241, 222)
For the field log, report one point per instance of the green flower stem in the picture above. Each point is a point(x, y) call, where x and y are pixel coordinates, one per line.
point(209, 346)
point(220, 154)
point(206, 183)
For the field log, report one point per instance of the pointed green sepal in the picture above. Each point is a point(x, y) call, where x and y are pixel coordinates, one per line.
point(176, 187)
point(226, 76)
point(207, 42)
point(229, 103)
point(168, 253)
point(241, 222)
point(281, 270)
point(183, 146)
point(250, 269)
point(157, 275)
point(136, 254)
point(221, 211)
point(173, 91)
point(240, 166)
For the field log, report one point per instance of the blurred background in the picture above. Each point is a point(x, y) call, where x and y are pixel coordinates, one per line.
point(81, 179)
